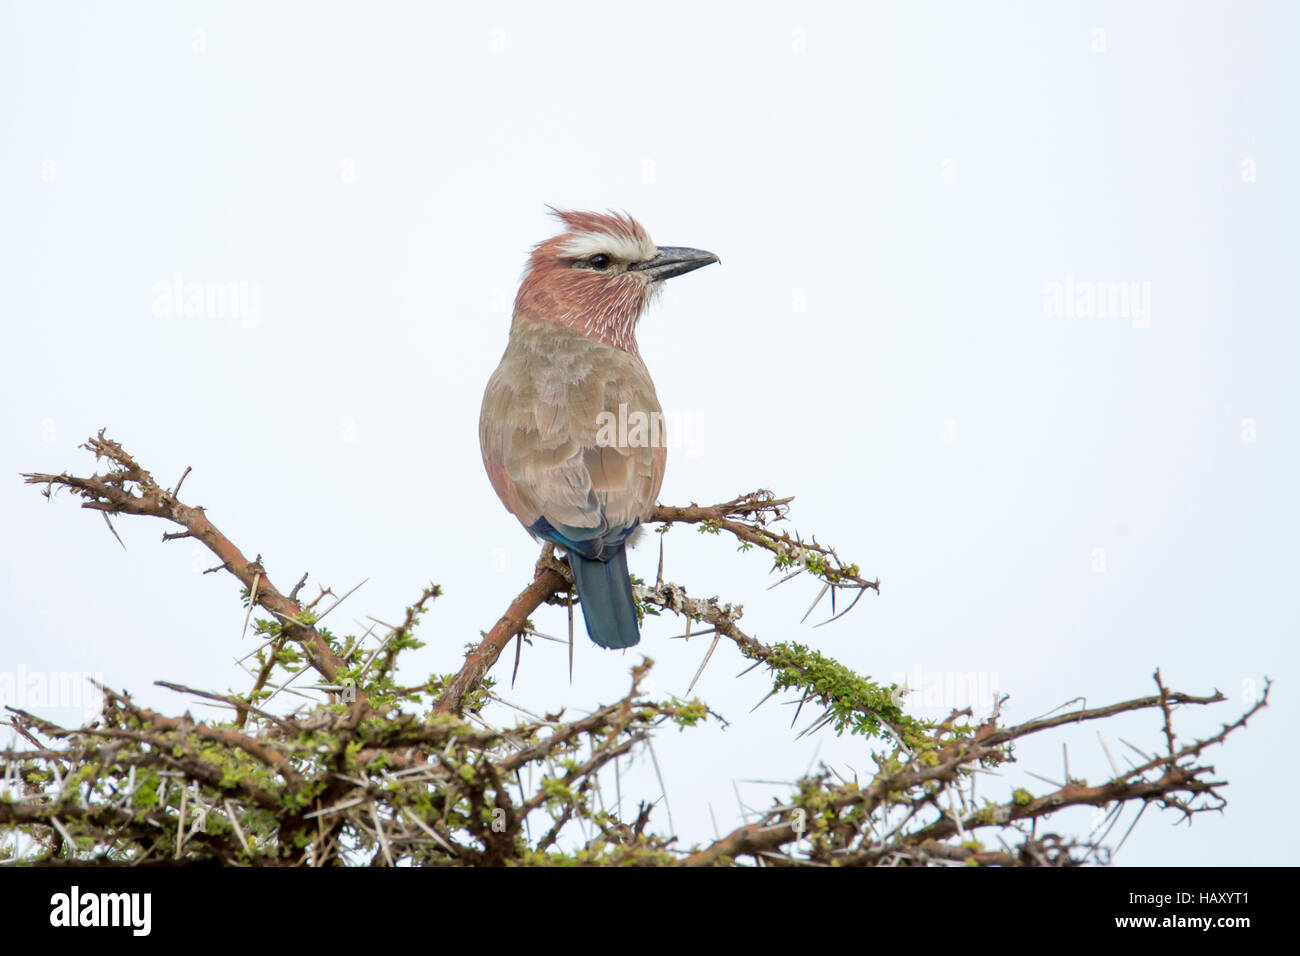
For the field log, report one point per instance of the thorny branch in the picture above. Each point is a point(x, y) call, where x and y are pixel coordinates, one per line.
point(385, 774)
point(127, 488)
point(747, 517)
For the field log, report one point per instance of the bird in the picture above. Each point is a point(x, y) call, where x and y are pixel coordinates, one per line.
point(571, 429)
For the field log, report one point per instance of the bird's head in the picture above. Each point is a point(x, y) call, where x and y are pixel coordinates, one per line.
point(598, 276)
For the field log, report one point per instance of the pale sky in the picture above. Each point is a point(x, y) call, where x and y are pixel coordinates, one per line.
point(915, 205)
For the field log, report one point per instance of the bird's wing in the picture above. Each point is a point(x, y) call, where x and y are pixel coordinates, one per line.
point(556, 443)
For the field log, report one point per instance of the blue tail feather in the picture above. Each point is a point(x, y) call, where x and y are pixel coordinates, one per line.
point(608, 606)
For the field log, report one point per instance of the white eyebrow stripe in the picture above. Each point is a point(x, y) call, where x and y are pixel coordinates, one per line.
point(582, 245)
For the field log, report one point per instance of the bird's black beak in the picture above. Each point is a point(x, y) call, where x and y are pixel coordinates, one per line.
point(674, 261)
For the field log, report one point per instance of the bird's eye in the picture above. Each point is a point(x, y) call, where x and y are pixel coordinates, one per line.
point(599, 261)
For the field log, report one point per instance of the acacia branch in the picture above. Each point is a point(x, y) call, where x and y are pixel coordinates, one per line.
point(990, 742)
point(337, 785)
point(746, 517)
point(128, 488)
point(480, 660)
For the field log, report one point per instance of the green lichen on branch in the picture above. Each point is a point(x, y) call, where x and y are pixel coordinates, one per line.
point(853, 703)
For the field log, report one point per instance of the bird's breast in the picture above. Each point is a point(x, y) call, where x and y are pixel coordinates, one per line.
point(572, 430)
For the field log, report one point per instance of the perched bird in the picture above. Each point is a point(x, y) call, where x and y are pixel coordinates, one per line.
point(571, 429)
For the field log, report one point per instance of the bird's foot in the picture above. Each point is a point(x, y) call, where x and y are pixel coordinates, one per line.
point(547, 561)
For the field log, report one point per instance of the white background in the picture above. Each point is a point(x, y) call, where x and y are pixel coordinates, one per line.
point(1054, 505)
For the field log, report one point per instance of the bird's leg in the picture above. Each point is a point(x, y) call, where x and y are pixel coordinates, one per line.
point(547, 561)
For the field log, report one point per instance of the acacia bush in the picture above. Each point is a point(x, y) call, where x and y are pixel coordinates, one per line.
point(377, 771)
